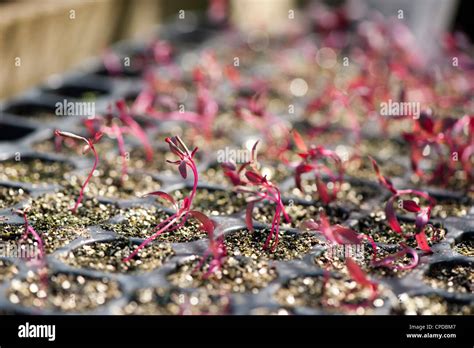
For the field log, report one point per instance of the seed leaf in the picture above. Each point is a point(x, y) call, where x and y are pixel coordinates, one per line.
point(207, 224)
point(253, 177)
point(391, 216)
point(163, 195)
point(248, 216)
point(423, 242)
point(411, 206)
point(182, 169)
point(299, 142)
point(322, 189)
point(357, 273)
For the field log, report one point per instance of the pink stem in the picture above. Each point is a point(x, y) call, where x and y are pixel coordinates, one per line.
point(121, 145)
point(81, 194)
point(191, 164)
point(150, 239)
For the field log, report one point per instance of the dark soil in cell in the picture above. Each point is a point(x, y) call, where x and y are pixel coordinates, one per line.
point(238, 275)
point(53, 238)
point(53, 210)
point(108, 256)
point(445, 208)
point(335, 295)
point(385, 149)
point(140, 222)
point(34, 111)
point(34, 171)
point(7, 270)
point(451, 276)
point(82, 93)
point(363, 169)
point(159, 301)
point(465, 245)
point(63, 292)
point(300, 213)
point(352, 195)
point(250, 244)
point(214, 202)
point(107, 182)
point(335, 260)
point(431, 305)
point(276, 174)
point(10, 196)
point(376, 226)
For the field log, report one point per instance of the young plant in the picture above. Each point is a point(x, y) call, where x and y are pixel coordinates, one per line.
point(248, 179)
point(157, 52)
point(253, 110)
point(340, 235)
point(40, 258)
point(116, 127)
point(311, 162)
point(183, 211)
point(216, 249)
point(202, 119)
point(89, 145)
point(451, 140)
point(30, 230)
point(360, 277)
point(422, 213)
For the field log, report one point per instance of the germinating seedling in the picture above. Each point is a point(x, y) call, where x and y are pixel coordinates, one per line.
point(184, 211)
point(89, 145)
point(422, 214)
point(116, 128)
point(451, 140)
point(312, 162)
point(339, 235)
point(40, 258)
point(248, 179)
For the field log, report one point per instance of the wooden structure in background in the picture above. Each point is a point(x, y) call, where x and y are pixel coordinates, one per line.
point(39, 38)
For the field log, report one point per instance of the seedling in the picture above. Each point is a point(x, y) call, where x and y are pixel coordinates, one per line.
point(216, 248)
point(339, 235)
point(30, 230)
point(311, 162)
point(422, 214)
point(183, 210)
point(447, 138)
point(360, 277)
point(248, 179)
point(157, 51)
point(89, 145)
point(40, 258)
point(202, 119)
point(253, 110)
point(116, 128)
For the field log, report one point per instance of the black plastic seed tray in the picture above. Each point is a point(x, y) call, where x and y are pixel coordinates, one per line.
point(161, 282)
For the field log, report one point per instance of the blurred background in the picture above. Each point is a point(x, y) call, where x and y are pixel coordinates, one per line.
point(40, 38)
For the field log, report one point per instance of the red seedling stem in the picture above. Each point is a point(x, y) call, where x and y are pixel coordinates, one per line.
point(183, 211)
point(248, 179)
point(89, 146)
point(310, 163)
point(116, 128)
point(42, 254)
point(422, 214)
